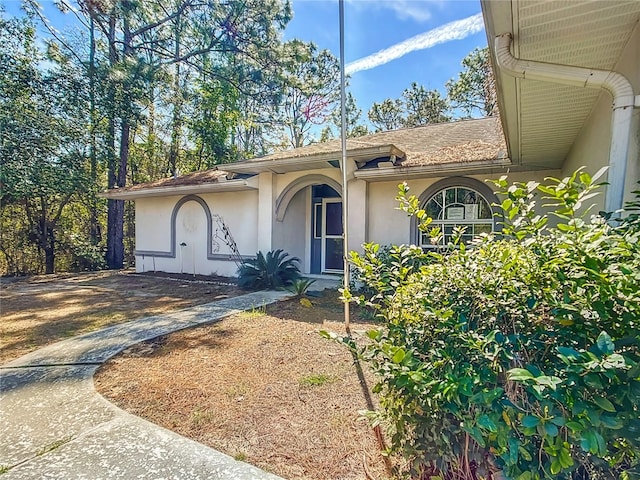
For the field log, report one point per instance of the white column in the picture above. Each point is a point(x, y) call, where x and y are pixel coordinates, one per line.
point(358, 214)
point(266, 210)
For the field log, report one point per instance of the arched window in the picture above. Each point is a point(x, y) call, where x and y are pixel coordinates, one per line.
point(457, 202)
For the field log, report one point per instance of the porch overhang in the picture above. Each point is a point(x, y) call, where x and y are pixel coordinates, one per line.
point(314, 161)
point(437, 170)
point(215, 187)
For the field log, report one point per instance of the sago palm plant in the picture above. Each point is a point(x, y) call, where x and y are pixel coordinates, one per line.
point(274, 270)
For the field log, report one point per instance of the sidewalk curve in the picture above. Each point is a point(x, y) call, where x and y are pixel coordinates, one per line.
point(56, 426)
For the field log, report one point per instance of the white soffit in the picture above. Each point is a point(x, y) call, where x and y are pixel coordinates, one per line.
point(588, 34)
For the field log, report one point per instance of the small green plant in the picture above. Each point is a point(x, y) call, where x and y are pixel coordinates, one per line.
point(518, 355)
point(316, 380)
point(237, 391)
point(300, 286)
point(240, 457)
point(201, 417)
point(4, 469)
point(274, 270)
point(255, 312)
point(53, 446)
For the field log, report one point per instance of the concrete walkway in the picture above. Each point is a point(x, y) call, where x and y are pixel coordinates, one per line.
point(54, 425)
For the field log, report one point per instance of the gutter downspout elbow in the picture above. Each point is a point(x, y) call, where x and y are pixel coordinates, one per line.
point(613, 82)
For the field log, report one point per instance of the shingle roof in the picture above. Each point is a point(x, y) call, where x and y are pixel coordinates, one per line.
point(461, 141)
point(195, 178)
point(464, 141)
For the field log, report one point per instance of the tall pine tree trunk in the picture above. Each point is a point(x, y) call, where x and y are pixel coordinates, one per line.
point(176, 129)
point(118, 173)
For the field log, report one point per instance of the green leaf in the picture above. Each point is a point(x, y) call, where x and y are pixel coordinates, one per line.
point(514, 448)
point(374, 334)
point(614, 423)
point(593, 381)
point(524, 453)
point(551, 429)
point(565, 457)
point(476, 434)
point(569, 352)
point(530, 421)
point(602, 445)
point(575, 426)
point(327, 335)
point(487, 423)
point(519, 374)
point(531, 302)
point(548, 381)
point(604, 404)
point(398, 356)
point(605, 344)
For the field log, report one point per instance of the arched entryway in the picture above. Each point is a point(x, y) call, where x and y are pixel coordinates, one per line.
point(309, 223)
point(327, 244)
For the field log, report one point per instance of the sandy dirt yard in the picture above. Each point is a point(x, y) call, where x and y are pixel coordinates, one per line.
point(36, 311)
point(261, 386)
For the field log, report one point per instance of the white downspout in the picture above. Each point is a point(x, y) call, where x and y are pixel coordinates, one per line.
point(616, 84)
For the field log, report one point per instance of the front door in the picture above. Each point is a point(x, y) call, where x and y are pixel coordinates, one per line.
point(332, 240)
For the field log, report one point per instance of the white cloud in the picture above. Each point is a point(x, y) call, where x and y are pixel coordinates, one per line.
point(456, 30)
point(415, 10)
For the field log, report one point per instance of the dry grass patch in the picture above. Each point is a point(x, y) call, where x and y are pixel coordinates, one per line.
point(263, 387)
point(36, 311)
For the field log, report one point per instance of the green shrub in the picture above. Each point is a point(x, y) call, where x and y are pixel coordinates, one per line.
point(375, 280)
point(273, 270)
point(518, 353)
point(301, 286)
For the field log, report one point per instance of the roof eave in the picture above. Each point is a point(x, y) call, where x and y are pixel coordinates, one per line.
point(443, 169)
point(228, 186)
point(311, 162)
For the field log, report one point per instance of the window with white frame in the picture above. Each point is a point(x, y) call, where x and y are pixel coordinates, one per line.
point(457, 206)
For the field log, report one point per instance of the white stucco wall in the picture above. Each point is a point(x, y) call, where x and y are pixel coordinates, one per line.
point(291, 234)
point(591, 148)
point(153, 219)
point(239, 212)
point(153, 232)
point(372, 209)
point(388, 225)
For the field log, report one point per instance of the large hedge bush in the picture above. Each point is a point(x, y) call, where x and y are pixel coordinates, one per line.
point(518, 353)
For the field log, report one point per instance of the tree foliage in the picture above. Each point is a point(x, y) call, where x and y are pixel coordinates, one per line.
point(417, 107)
point(159, 88)
point(353, 123)
point(42, 147)
point(311, 89)
point(387, 115)
point(474, 90)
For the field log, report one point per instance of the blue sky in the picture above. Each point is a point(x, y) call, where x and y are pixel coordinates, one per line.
point(371, 26)
point(374, 25)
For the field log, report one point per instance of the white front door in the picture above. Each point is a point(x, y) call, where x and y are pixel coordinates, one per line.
point(332, 240)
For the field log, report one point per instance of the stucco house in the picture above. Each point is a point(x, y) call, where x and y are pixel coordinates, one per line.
point(567, 77)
